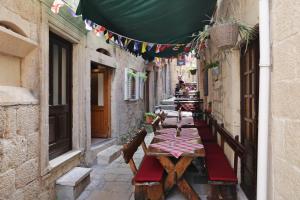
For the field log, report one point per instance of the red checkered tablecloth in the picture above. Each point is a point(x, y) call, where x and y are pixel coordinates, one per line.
point(170, 134)
point(183, 130)
point(176, 147)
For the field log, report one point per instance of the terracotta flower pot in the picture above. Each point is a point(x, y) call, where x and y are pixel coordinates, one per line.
point(149, 119)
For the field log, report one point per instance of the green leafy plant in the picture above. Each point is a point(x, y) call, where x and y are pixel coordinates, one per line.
point(151, 114)
point(143, 75)
point(131, 73)
point(211, 65)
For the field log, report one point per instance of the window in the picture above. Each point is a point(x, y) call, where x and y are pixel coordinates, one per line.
point(132, 85)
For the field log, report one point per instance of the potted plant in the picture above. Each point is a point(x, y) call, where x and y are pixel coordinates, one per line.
point(225, 33)
point(212, 65)
point(149, 117)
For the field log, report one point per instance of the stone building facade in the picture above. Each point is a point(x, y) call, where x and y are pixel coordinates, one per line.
point(26, 172)
point(224, 90)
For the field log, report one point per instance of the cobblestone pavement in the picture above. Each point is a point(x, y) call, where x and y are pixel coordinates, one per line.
point(113, 181)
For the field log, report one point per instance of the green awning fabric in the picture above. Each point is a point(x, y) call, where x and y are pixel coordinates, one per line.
point(153, 21)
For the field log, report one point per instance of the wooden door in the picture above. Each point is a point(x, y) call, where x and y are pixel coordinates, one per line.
point(100, 103)
point(249, 116)
point(60, 96)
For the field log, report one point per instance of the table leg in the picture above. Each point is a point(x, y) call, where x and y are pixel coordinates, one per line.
point(175, 173)
point(187, 190)
point(170, 168)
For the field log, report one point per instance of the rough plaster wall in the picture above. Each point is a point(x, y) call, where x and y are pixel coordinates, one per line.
point(284, 177)
point(126, 115)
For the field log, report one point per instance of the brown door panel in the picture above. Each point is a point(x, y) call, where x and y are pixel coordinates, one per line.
point(249, 110)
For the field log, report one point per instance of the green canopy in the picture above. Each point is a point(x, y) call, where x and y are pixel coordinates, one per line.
point(152, 21)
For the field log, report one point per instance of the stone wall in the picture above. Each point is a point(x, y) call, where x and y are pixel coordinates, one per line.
point(284, 173)
point(19, 145)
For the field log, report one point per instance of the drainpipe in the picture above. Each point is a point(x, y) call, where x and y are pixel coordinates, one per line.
point(264, 99)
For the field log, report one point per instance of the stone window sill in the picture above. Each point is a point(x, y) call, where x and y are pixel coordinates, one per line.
point(60, 160)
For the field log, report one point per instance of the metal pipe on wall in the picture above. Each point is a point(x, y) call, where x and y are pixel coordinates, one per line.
point(264, 99)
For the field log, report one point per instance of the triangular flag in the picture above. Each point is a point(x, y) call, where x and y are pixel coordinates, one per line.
point(57, 4)
point(99, 30)
point(106, 37)
point(72, 12)
point(157, 48)
point(88, 25)
point(136, 46)
point(120, 41)
point(162, 48)
point(150, 45)
point(144, 47)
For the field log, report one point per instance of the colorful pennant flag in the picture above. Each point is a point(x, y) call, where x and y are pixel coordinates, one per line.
point(150, 45)
point(57, 4)
point(144, 47)
point(88, 25)
point(136, 46)
point(157, 48)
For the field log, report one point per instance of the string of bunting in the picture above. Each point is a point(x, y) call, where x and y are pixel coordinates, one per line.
point(136, 47)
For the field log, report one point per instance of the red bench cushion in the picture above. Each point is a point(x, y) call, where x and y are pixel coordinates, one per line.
point(205, 134)
point(200, 123)
point(150, 170)
point(219, 168)
point(213, 148)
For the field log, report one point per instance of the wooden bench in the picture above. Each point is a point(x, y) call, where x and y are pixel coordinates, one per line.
point(221, 176)
point(148, 177)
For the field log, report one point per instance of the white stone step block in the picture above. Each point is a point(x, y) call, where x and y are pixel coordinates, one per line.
point(109, 155)
point(70, 185)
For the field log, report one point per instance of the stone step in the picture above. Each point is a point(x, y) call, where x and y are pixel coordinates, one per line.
point(165, 107)
point(70, 185)
point(102, 146)
point(167, 102)
point(109, 155)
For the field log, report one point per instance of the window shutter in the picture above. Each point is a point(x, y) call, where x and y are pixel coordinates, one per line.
point(137, 84)
point(142, 82)
point(126, 85)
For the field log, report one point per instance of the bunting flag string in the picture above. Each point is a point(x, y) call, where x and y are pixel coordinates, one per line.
point(138, 47)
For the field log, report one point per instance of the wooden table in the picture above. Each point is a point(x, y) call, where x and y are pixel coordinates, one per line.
point(176, 171)
point(186, 122)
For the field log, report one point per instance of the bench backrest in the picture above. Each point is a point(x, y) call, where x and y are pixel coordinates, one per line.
point(131, 147)
point(162, 115)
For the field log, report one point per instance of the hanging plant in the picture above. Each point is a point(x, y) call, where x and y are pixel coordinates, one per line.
point(225, 33)
point(132, 73)
point(211, 65)
point(199, 42)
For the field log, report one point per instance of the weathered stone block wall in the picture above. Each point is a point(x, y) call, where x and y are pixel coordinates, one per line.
point(284, 177)
point(19, 152)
